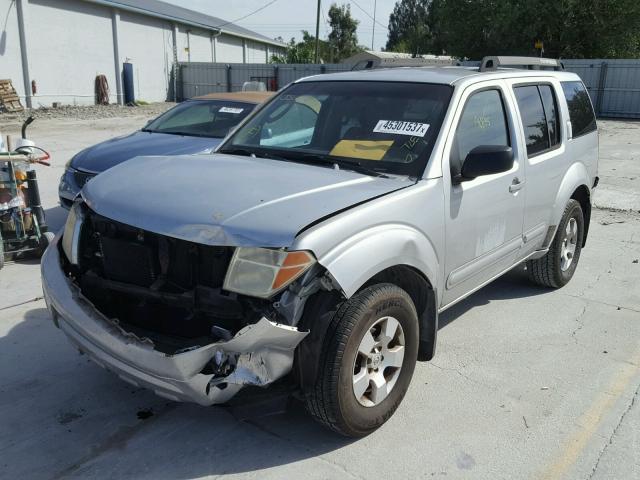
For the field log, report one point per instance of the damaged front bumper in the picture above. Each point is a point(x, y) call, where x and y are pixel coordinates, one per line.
point(257, 355)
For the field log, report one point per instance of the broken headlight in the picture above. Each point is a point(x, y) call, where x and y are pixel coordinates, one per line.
point(262, 272)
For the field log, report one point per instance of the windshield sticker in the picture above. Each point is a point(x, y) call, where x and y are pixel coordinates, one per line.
point(233, 110)
point(398, 127)
point(363, 149)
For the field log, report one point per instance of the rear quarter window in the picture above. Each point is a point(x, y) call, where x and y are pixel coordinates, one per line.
point(581, 114)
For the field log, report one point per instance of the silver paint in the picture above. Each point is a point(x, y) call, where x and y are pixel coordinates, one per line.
point(228, 200)
point(459, 237)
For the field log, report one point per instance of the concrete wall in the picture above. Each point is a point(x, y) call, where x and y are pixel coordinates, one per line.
point(69, 42)
point(10, 65)
point(256, 52)
point(229, 49)
point(197, 44)
point(147, 43)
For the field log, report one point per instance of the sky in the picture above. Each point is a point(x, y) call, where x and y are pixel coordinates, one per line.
point(286, 18)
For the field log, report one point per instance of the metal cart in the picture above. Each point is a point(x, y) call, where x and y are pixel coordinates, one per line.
point(23, 229)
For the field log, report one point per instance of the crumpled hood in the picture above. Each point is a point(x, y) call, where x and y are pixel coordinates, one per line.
point(110, 153)
point(228, 200)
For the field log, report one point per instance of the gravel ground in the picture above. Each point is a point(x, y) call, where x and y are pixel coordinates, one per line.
point(89, 112)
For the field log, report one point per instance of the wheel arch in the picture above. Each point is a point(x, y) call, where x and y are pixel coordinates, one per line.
point(424, 298)
point(398, 254)
point(574, 185)
point(583, 196)
point(322, 306)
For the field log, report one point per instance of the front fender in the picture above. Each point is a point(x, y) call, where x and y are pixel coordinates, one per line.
point(362, 256)
point(576, 176)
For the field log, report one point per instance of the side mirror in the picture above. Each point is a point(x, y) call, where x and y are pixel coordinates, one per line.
point(486, 160)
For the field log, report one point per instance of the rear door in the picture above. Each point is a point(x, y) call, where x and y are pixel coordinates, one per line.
point(483, 216)
point(540, 128)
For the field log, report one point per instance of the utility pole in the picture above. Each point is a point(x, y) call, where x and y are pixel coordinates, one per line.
point(317, 33)
point(373, 35)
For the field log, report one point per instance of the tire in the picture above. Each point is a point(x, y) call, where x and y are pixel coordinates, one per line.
point(332, 399)
point(45, 239)
point(552, 270)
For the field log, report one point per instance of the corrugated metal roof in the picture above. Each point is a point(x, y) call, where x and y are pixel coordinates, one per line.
point(156, 8)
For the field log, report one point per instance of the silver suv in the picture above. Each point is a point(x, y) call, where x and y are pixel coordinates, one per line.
point(318, 245)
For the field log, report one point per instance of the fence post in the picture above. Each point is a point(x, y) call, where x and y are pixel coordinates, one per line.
point(323, 68)
point(228, 77)
point(602, 82)
point(275, 75)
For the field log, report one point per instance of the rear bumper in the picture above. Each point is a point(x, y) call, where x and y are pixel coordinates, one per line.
point(261, 352)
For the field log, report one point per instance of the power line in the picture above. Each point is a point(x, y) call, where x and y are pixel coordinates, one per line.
point(248, 14)
point(368, 15)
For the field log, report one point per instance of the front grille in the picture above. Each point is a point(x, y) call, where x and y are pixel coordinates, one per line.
point(167, 289)
point(81, 178)
point(128, 262)
point(126, 254)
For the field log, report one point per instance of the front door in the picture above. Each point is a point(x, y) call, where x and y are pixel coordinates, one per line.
point(483, 216)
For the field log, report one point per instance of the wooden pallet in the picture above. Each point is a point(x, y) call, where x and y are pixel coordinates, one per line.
point(9, 100)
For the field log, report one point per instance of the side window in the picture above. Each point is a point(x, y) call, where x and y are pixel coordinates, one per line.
point(533, 118)
point(483, 122)
point(551, 112)
point(583, 119)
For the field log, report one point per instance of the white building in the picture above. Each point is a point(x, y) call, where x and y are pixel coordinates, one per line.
point(59, 46)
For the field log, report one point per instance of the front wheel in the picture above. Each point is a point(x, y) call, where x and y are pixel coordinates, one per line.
point(559, 264)
point(367, 361)
point(45, 239)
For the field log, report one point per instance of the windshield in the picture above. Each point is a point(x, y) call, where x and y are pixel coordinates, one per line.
point(201, 118)
point(385, 127)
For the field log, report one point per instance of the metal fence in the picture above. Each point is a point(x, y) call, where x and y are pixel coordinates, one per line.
point(614, 85)
point(200, 78)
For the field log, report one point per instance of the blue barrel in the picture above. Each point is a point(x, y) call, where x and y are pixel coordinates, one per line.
point(127, 82)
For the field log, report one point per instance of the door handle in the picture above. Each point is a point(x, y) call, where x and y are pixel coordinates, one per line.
point(516, 185)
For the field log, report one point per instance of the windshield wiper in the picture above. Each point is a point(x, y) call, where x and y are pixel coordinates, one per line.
point(245, 152)
point(306, 158)
point(184, 134)
point(314, 158)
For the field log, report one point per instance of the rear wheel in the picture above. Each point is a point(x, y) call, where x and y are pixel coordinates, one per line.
point(367, 361)
point(559, 264)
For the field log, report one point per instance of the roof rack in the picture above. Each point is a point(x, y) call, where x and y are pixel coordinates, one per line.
point(531, 63)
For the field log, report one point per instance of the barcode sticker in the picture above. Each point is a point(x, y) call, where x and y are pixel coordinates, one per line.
point(231, 110)
point(398, 127)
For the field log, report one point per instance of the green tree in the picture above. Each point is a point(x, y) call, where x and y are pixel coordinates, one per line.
point(568, 28)
point(303, 52)
point(409, 27)
point(343, 41)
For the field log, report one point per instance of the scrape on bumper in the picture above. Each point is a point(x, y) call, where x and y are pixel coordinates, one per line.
point(262, 352)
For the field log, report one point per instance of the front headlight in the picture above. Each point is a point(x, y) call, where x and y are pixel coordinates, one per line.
point(68, 182)
point(262, 272)
point(71, 234)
